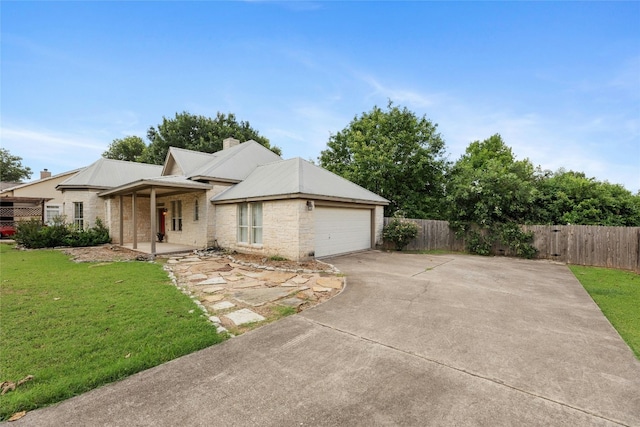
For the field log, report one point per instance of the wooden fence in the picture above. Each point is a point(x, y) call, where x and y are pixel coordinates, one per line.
point(614, 247)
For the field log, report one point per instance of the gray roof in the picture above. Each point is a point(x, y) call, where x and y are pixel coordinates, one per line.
point(108, 173)
point(235, 163)
point(187, 160)
point(162, 184)
point(297, 177)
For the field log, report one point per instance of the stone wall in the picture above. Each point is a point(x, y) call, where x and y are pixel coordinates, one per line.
point(379, 224)
point(143, 218)
point(194, 231)
point(93, 206)
point(287, 229)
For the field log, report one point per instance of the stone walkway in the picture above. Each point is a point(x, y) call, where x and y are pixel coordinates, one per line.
point(238, 296)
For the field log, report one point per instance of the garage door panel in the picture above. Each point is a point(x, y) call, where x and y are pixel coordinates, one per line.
point(341, 230)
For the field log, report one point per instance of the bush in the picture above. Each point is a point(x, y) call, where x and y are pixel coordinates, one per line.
point(400, 232)
point(33, 234)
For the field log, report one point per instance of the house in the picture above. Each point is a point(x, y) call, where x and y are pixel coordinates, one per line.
point(35, 199)
point(244, 197)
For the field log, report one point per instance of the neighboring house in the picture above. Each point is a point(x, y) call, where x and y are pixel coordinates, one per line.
point(35, 199)
point(243, 197)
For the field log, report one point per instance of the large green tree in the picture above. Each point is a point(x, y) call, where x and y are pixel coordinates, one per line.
point(198, 133)
point(395, 154)
point(11, 168)
point(489, 193)
point(129, 148)
point(568, 197)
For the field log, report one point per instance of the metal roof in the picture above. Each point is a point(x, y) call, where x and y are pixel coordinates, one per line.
point(108, 173)
point(297, 177)
point(162, 184)
point(187, 160)
point(235, 163)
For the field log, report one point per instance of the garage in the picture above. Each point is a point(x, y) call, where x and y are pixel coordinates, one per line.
point(341, 230)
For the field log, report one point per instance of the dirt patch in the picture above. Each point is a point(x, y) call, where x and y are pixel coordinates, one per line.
point(280, 265)
point(103, 253)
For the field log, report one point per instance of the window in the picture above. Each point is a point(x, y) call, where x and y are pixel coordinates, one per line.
point(256, 223)
point(51, 212)
point(78, 215)
point(250, 223)
point(176, 215)
point(196, 211)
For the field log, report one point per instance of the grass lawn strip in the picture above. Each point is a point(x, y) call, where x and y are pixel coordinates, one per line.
point(617, 293)
point(76, 326)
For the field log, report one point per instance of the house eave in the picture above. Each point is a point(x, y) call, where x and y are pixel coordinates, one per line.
point(300, 196)
point(146, 185)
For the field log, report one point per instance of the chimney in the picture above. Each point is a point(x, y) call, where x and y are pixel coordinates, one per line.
point(45, 174)
point(229, 142)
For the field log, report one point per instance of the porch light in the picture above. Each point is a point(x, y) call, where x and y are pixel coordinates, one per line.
point(309, 205)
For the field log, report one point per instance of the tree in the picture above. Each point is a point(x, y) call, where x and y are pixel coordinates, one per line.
point(395, 154)
point(568, 197)
point(489, 194)
point(129, 148)
point(11, 168)
point(198, 133)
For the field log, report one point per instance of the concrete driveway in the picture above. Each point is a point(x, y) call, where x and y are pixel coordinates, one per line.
point(413, 340)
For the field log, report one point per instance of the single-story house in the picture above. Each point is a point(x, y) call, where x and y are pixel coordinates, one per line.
point(35, 199)
point(244, 197)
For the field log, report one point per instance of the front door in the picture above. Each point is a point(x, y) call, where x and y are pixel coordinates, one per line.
point(162, 213)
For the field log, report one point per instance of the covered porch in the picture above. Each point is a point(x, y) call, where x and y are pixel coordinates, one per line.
point(160, 248)
point(150, 219)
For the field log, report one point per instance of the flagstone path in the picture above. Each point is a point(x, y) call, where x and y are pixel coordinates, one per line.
point(236, 295)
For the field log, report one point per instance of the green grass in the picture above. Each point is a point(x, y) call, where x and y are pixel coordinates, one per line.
point(76, 326)
point(617, 293)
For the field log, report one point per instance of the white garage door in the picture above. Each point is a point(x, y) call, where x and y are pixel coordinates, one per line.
point(341, 230)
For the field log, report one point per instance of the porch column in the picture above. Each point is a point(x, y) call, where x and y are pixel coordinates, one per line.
point(152, 204)
point(121, 221)
point(135, 222)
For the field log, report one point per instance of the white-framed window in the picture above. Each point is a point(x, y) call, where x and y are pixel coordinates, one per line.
point(250, 223)
point(176, 215)
point(196, 210)
point(50, 212)
point(78, 215)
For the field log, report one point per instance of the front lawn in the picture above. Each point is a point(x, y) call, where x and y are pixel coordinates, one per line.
point(617, 293)
point(76, 326)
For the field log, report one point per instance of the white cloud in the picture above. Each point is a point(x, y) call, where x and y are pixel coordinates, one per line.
point(411, 98)
point(58, 152)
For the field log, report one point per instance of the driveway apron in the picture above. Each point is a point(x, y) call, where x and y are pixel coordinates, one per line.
point(413, 340)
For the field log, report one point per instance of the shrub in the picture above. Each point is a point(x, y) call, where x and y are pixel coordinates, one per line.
point(400, 232)
point(33, 234)
point(30, 235)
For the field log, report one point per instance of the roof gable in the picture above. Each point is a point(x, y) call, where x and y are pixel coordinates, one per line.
point(108, 173)
point(297, 177)
point(181, 161)
point(235, 163)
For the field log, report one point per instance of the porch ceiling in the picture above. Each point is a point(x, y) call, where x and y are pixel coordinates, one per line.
point(163, 186)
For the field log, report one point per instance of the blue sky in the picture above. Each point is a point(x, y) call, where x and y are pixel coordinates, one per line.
point(560, 81)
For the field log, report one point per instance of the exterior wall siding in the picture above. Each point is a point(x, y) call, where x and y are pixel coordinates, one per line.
point(378, 224)
point(194, 232)
point(287, 229)
point(93, 206)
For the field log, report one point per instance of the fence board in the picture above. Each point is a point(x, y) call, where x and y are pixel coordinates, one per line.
point(613, 247)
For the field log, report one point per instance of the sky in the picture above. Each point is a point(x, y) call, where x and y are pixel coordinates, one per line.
point(560, 81)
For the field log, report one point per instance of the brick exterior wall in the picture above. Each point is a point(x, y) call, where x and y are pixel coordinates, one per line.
point(287, 229)
point(379, 224)
point(93, 206)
